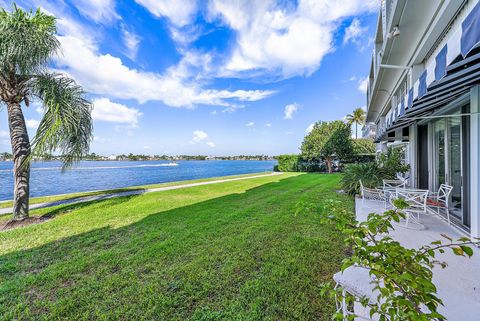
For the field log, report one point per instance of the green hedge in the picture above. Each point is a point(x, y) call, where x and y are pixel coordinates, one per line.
point(295, 163)
point(288, 163)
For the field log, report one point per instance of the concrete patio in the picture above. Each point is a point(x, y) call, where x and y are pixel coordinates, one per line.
point(458, 284)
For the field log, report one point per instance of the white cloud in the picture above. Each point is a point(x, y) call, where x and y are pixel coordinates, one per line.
point(198, 136)
point(353, 32)
point(180, 13)
point(232, 108)
point(131, 42)
point(107, 75)
point(309, 128)
point(250, 124)
point(289, 132)
point(32, 123)
point(182, 85)
point(101, 140)
point(4, 134)
point(290, 109)
point(363, 85)
point(286, 41)
point(106, 110)
point(201, 136)
point(101, 11)
point(268, 125)
point(146, 147)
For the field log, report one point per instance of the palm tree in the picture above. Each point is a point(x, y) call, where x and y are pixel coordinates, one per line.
point(357, 117)
point(27, 43)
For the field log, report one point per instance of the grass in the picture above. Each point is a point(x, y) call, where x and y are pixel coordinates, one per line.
point(54, 198)
point(228, 251)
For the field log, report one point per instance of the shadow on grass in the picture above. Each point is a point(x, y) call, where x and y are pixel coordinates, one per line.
point(63, 209)
point(238, 256)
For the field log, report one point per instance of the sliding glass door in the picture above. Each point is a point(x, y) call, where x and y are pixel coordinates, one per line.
point(448, 147)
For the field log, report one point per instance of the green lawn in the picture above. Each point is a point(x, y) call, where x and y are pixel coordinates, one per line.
point(228, 251)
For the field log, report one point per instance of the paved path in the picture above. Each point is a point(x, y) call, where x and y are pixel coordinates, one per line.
point(133, 192)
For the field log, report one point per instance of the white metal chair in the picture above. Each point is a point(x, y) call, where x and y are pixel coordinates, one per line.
point(441, 200)
point(417, 204)
point(394, 183)
point(373, 194)
point(390, 186)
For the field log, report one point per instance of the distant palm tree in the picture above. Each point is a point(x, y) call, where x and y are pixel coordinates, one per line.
point(357, 117)
point(27, 43)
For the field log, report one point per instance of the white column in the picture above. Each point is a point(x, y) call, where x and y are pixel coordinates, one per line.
point(475, 161)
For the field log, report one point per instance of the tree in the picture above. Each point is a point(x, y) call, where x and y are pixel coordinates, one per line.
point(27, 44)
point(328, 140)
point(357, 117)
point(362, 146)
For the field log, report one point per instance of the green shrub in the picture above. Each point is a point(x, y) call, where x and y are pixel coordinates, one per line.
point(288, 163)
point(387, 166)
point(360, 158)
point(369, 173)
point(391, 163)
point(295, 163)
point(362, 146)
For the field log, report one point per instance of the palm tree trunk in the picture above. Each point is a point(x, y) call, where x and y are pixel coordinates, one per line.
point(356, 130)
point(20, 150)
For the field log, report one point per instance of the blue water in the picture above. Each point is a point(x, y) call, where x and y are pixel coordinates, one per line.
point(46, 178)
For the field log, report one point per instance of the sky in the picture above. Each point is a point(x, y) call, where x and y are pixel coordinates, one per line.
point(211, 77)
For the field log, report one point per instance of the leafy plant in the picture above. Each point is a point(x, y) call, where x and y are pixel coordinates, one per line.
point(391, 163)
point(368, 173)
point(402, 277)
point(386, 166)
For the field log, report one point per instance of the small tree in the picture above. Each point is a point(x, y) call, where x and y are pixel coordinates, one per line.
point(328, 140)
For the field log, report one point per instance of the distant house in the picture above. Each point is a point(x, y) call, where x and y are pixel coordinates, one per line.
point(424, 96)
point(112, 157)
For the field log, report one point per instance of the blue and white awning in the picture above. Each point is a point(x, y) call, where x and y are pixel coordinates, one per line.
point(463, 37)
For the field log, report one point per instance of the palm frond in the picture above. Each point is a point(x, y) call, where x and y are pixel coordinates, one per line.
point(27, 41)
point(66, 126)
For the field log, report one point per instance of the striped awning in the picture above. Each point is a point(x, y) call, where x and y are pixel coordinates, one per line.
point(443, 75)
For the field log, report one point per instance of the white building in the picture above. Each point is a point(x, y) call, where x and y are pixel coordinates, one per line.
point(424, 95)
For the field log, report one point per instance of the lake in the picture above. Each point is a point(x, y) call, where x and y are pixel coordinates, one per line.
point(46, 178)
